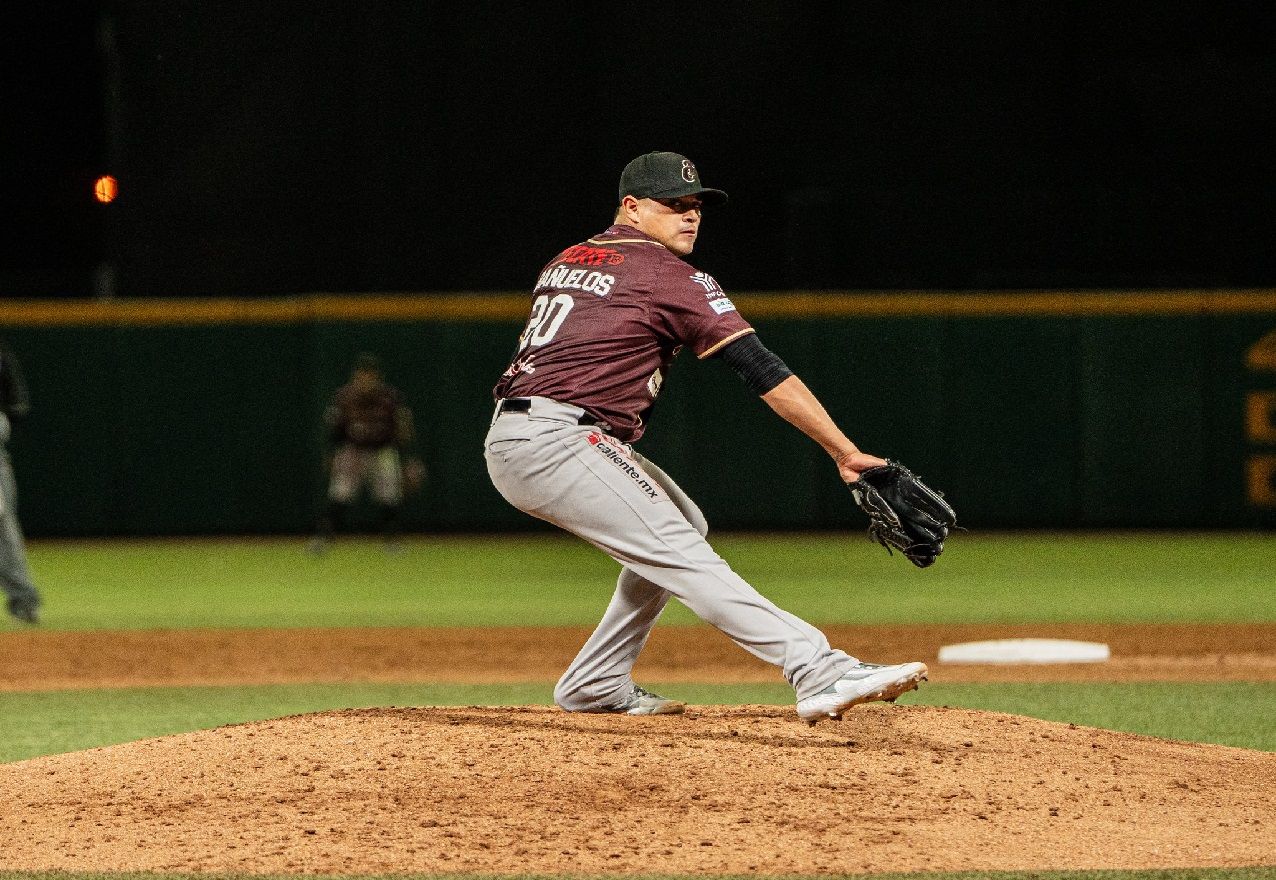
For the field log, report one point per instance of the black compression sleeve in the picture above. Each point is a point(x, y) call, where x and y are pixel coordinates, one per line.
point(759, 367)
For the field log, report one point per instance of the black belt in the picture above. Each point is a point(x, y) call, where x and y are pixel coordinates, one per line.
point(524, 404)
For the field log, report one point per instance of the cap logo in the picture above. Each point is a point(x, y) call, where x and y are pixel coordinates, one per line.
point(688, 171)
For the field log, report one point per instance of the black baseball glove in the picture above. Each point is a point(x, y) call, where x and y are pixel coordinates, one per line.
point(904, 513)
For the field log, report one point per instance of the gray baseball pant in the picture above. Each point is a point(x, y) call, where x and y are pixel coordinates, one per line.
point(548, 465)
point(15, 578)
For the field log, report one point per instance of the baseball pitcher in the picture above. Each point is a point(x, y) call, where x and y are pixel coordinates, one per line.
point(608, 316)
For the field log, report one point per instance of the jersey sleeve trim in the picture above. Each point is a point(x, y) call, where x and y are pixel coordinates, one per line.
point(717, 346)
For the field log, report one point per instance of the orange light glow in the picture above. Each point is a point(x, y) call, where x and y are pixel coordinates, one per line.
point(105, 189)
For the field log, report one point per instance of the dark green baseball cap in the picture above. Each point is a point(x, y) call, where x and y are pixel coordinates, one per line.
point(368, 362)
point(665, 176)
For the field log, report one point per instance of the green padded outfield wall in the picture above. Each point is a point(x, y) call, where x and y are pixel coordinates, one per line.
point(1029, 410)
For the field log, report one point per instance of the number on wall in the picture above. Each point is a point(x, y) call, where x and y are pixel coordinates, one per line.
point(1260, 426)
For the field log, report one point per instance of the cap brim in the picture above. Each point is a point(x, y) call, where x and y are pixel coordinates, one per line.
point(711, 196)
point(708, 196)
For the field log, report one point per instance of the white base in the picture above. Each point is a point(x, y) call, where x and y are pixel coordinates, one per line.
point(1025, 651)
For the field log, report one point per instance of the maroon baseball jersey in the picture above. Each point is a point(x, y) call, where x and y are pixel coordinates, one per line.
point(608, 317)
point(368, 419)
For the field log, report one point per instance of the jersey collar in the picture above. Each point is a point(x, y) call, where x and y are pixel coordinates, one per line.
point(620, 233)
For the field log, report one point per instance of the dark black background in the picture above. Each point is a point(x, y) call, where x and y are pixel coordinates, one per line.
point(268, 148)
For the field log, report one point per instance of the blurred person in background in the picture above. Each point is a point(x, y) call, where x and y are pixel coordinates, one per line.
point(370, 434)
point(22, 598)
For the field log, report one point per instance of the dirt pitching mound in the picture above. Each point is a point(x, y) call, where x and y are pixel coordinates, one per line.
point(718, 790)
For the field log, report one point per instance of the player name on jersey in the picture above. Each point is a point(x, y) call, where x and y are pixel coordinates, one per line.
point(564, 277)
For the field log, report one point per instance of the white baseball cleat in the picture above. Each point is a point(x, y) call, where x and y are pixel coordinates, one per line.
point(641, 702)
point(862, 683)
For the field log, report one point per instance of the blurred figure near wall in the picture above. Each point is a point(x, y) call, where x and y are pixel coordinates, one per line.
point(371, 436)
point(22, 599)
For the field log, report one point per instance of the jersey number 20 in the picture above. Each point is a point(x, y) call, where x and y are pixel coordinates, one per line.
point(547, 317)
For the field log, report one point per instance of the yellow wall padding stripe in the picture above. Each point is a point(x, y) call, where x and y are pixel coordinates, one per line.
point(293, 310)
point(515, 306)
point(924, 304)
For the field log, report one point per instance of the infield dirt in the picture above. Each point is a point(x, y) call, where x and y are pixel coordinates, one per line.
point(33, 660)
point(720, 790)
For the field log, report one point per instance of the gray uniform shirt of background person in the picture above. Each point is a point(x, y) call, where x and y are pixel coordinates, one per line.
point(608, 317)
point(22, 597)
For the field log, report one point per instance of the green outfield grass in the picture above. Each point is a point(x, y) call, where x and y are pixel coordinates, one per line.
point(32, 724)
point(1260, 873)
point(551, 580)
